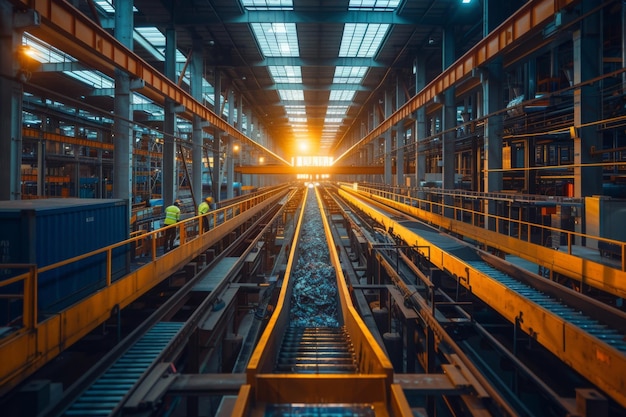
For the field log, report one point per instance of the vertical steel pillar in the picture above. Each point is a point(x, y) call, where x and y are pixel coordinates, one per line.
point(196, 75)
point(169, 178)
point(420, 124)
point(240, 127)
point(492, 81)
point(587, 103)
point(400, 133)
point(388, 153)
point(217, 136)
point(41, 168)
point(449, 116)
point(11, 92)
point(230, 163)
point(449, 126)
point(123, 130)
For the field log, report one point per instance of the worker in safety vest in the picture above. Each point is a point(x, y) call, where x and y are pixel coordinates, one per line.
point(172, 216)
point(204, 208)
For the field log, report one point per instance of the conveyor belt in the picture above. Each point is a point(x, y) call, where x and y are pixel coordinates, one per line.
point(590, 347)
point(106, 394)
point(316, 350)
point(596, 329)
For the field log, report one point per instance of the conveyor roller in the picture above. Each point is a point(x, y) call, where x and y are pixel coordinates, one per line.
point(107, 393)
point(316, 350)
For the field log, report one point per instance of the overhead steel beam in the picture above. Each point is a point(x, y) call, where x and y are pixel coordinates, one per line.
point(288, 16)
point(66, 28)
point(317, 170)
point(529, 19)
point(319, 62)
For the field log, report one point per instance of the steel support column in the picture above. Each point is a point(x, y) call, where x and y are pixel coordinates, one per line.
point(11, 92)
point(420, 124)
point(230, 163)
point(400, 133)
point(168, 174)
point(492, 146)
point(196, 75)
point(449, 114)
point(449, 123)
point(388, 138)
point(587, 103)
point(217, 136)
point(123, 139)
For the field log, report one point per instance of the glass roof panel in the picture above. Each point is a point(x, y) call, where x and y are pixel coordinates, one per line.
point(267, 4)
point(342, 95)
point(276, 39)
point(92, 78)
point(336, 110)
point(107, 6)
point(295, 110)
point(362, 39)
point(349, 75)
point(374, 5)
point(156, 39)
point(286, 74)
point(291, 95)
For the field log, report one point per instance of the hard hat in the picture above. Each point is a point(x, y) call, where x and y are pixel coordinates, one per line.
point(209, 199)
point(177, 202)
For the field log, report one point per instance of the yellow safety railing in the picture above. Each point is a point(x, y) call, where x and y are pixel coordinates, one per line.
point(513, 236)
point(28, 295)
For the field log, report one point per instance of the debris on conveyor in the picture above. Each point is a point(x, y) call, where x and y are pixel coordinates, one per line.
point(314, 297)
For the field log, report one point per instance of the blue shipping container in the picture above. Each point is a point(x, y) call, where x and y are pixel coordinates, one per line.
point(47, 231)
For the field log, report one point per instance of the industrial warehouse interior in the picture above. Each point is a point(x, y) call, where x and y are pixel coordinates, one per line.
point(419, 209)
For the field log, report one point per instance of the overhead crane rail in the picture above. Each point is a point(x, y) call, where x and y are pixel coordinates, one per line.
point(595, 348)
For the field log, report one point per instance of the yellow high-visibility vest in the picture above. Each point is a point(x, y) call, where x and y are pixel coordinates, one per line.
point(172, 214)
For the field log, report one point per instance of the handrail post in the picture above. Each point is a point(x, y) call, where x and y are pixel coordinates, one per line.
point(153, 245)
point(569, 243)
point(109, 267)
point(30, 298)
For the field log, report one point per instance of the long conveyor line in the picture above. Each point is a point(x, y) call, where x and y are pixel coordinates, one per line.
point(107, 392)
point(315, 341)
point(322, 361)
point(592, 348)
point(601, 331)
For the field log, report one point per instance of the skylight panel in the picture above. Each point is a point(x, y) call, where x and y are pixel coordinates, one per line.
point(291, 95)
point(295, 110)
point(349, 75)
point(336, 110)
point(333, 120)
point(297, 119)
point(43, 52)
point(362, 39)
point(267, 4)
point(108, 7)
point(152, 35)
point(373, 5)
point(342, 95)
point(92, 78)
point(277, 39)
point(286, 74)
